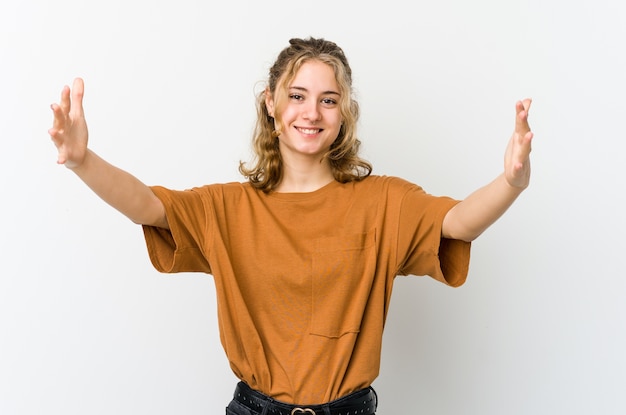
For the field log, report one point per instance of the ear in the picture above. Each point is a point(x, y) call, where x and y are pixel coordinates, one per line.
point(269, 102)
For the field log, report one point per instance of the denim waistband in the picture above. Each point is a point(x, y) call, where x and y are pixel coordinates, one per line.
point(362, 402)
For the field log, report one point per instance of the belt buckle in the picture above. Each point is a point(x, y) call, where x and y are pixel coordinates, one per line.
point(302, 411)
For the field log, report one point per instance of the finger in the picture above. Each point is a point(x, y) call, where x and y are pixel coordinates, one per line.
point(58, 122)
point(528, 139)
point(78, 90)
point(62, 158)
point(521, 109)
point(524, 146)
point(65, 103)
point(521, 118)
point(57, 139)
point(56, 136)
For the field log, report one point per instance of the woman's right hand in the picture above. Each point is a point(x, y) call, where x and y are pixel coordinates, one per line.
point(69, 129)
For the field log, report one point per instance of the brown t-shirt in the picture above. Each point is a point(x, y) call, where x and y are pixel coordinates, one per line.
point(303, 280)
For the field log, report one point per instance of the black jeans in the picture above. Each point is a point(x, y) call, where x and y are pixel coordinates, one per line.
point(250, 402)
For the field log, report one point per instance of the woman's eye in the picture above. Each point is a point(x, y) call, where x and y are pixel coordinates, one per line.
point(329, 101)
point(297, 97)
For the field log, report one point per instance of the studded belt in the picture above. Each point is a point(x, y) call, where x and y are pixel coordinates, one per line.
point(361, 402)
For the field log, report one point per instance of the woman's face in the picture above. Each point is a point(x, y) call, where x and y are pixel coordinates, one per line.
point(311, 118)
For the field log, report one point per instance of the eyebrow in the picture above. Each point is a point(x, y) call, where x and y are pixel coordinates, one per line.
point(303, 89)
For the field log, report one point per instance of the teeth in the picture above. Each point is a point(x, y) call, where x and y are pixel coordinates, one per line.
point(309, 130)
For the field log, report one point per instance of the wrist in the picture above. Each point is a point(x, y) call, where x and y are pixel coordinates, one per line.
point(514, 185)
point(80, 167)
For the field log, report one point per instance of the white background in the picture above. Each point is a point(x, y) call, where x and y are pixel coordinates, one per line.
point(87, 326)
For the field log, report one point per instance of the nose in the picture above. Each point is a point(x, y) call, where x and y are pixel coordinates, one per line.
point(312, 112)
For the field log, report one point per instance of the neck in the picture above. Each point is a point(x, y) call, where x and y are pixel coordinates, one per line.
point(305, 177)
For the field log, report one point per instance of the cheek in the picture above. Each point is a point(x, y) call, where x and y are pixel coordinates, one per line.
point(287, 115)
point(336, 120)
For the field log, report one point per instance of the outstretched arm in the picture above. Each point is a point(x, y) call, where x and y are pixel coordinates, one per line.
point(116, 187)
point(472, 216)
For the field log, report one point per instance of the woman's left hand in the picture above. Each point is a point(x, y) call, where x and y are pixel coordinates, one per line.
point(517, 155)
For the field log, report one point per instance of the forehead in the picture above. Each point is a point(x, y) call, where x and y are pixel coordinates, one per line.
point(315, 75)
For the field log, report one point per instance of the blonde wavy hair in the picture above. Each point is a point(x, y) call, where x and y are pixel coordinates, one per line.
point(267, 167)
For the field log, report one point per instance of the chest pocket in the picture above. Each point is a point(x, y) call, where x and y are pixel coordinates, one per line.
point(343, 272)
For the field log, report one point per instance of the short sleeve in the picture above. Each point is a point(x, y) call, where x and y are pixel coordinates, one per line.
point(421, 248)
point(183, 247)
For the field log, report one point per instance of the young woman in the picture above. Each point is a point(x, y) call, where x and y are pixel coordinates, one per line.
point(305, 251)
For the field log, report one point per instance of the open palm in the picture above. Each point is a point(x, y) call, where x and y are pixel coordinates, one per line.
point(69, 129)
point(517, 155)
